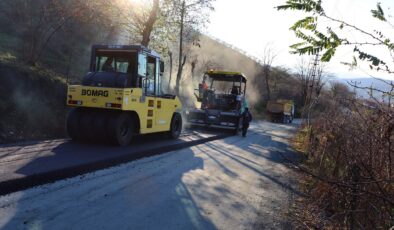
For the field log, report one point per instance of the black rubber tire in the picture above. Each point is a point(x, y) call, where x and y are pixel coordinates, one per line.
point(72, 124)
point(176, 126)
point(86, 125)
point(120, 128)
point(99, 127)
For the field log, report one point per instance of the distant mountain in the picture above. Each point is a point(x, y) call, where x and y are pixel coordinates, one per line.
point(379, 84)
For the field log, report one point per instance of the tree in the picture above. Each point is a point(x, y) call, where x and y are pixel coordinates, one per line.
point(351, 147)
point(189, 16)
point(267, 60)
point(316, 41)
point(151, 25)
point(140, 20)
point(340, 91)
point(148, 26)
point(37, 23)
point(40, 21)
point(312, 78)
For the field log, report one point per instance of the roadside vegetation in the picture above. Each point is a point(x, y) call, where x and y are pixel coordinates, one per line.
point(31, 103)
point(348, 143)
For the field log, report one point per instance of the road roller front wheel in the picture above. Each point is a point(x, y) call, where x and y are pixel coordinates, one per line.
point(176, 126)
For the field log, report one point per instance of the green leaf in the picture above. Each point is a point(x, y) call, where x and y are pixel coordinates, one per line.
point(378, 13)
point(375, 61)
point(328, 55)
point(297, 45)
point(302, 5)
point(305, 23)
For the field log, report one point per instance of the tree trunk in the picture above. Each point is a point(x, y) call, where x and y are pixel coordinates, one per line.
point(179, 75)
point(266, 75)
point(193, 64)
point(39, 50)
point(180, 64)
point(149, 24)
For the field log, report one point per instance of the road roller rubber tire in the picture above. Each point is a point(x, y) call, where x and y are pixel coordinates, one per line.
point(86, 125)
point(99, 127)
point(72, 124)
point(176, 126)
point(120, 128)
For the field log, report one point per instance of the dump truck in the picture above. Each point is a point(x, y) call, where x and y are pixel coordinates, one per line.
point(122, 97)
point(222, 95)
point(281, 111)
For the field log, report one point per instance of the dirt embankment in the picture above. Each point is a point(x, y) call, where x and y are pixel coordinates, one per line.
point(32, 103)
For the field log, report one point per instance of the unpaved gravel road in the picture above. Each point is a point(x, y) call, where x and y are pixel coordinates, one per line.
point(234, 183)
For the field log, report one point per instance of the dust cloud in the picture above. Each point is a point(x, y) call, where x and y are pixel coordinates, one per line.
point(214, 55)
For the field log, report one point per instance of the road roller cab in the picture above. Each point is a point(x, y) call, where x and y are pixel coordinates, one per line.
point(122, 97)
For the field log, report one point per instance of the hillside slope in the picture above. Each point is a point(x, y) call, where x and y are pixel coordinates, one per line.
point(32, 103)
point(214, 54)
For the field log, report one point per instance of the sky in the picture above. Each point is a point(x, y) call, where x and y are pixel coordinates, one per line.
point(252, 25)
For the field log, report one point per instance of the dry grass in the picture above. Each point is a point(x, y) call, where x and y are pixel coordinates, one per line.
point(300, 141)
point(12, 61)
point(348, 169)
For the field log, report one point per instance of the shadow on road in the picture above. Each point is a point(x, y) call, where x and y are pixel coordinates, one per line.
point(262, 144)
point(43, 164)
point(252, 176)
point(160, 192)
point(273, 156)
point(149, 194)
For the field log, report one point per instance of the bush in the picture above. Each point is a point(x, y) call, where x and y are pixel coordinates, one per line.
point(350, 155)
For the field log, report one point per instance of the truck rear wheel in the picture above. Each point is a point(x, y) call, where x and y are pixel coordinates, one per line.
point(120, 128)
point(176, 126)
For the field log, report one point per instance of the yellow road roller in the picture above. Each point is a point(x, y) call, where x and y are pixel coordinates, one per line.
point(121, 97)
